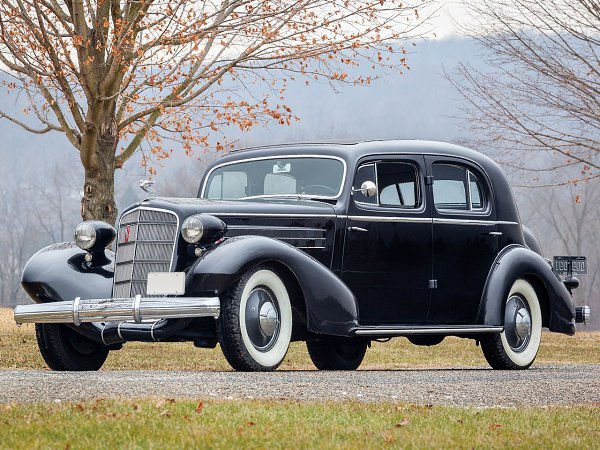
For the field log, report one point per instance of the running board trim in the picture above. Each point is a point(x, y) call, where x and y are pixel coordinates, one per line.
point(407, 331)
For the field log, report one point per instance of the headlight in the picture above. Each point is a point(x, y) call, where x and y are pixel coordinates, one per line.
point(93, 235)
point(202, 229)
point(192, 229)
point(85, 235)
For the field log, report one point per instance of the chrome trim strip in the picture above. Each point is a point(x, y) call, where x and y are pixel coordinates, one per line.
point(472, 222)
point(427, 220)
point(102, 334)
point(269, 227)
point(152, 330)
point(390, 219)
point(76, 320)
point(119, 331)
point(262, 158)
point(137, 317)
point(242, 214)
point(400, 331)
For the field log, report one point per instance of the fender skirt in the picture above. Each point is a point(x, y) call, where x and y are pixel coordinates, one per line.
point(331, 307)
point(514, 262)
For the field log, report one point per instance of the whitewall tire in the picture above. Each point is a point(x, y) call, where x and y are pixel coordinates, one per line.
point(517, 346)
point(256, 321)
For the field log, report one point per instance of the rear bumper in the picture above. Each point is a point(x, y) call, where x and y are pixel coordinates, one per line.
point(583, 314)
point(134, 309)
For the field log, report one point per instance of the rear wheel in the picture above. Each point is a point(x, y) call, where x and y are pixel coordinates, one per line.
point(337, 354)
point(66, 350)
point(255, 326)
point(517, 346)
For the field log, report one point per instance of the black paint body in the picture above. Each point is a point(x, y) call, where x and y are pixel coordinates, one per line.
point(406, 267)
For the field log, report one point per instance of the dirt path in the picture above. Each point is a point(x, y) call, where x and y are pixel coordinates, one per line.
point(539, 386)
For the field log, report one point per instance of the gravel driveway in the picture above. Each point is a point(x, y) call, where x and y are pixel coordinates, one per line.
point(542, 385)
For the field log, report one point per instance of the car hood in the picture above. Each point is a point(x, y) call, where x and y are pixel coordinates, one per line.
point(231, 208)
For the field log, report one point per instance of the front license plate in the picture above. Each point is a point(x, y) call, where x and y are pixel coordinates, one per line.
point(575, 265)
point(166, 283)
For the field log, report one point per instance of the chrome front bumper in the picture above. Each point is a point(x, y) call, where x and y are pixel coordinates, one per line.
point(134, 309)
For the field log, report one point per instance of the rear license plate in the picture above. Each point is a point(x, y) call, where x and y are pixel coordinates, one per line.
point(166, 283)
point(575, 265)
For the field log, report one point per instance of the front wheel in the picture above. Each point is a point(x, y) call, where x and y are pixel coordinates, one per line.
point(64, 349)
point(255, 326)
point(336, 354)
point(517, 346)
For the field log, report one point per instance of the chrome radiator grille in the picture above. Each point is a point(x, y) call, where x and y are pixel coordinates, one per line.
point(145, 242)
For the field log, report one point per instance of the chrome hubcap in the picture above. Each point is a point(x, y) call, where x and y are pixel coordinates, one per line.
point(522, 323)
point(517, 323)
point(262, 318)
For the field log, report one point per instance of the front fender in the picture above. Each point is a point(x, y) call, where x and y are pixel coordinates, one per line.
point(59, 272)
point(515, 262)
point(331, 307)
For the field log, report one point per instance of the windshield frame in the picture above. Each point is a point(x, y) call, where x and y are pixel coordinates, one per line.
point(282, 156)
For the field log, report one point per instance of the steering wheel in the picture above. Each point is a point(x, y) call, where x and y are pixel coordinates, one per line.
point(327, 189)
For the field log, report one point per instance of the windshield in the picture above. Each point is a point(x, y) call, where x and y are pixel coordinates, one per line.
point(311, 177)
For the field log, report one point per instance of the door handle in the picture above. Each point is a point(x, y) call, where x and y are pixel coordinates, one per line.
point(357, 229)
point(494, 233)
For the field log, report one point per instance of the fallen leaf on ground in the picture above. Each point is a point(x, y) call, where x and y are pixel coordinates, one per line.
point(199, 407)
point(402, 423)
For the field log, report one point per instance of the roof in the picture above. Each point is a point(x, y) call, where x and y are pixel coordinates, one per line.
point(351, 151)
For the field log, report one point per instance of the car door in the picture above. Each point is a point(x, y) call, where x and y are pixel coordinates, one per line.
point(465, 238)
point(387, 252)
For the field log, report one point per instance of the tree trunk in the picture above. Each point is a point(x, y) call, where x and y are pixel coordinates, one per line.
point(98, 201)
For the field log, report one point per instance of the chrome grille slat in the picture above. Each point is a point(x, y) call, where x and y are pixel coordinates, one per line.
point(149, 248)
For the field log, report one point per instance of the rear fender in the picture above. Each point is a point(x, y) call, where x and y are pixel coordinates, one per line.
point(516, 262)
point(331, 307)
point(59, 272)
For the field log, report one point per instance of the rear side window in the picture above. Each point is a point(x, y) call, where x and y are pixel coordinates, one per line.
point(457, 188)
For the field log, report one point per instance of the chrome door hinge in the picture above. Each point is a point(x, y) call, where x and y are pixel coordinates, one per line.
point(433, 284)
point(429, 179)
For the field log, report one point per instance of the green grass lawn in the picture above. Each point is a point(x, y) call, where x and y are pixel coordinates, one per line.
point(105, 424)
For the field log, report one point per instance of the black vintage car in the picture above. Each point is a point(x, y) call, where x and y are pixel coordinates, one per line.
point(333, 244)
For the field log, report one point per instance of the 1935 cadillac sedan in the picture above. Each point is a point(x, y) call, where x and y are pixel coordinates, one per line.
point(333, 244)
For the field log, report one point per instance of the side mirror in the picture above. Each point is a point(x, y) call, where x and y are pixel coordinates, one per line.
point(368, 188)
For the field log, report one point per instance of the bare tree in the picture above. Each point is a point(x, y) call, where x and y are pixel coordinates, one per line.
point(567, 221)
point(117, 76)
point(542, 91)
point(35, 210)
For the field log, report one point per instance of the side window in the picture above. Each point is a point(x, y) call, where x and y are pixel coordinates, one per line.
point(364, 173)
point(457, 188)
point(397, 183)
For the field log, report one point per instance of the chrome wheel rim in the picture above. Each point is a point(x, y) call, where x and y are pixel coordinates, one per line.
point(517, 323)
point(262, 318)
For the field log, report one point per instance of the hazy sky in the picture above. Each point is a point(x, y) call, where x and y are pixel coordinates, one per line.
point(444, 19)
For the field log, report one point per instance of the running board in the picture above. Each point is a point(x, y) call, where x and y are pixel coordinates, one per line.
point(408, 331)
